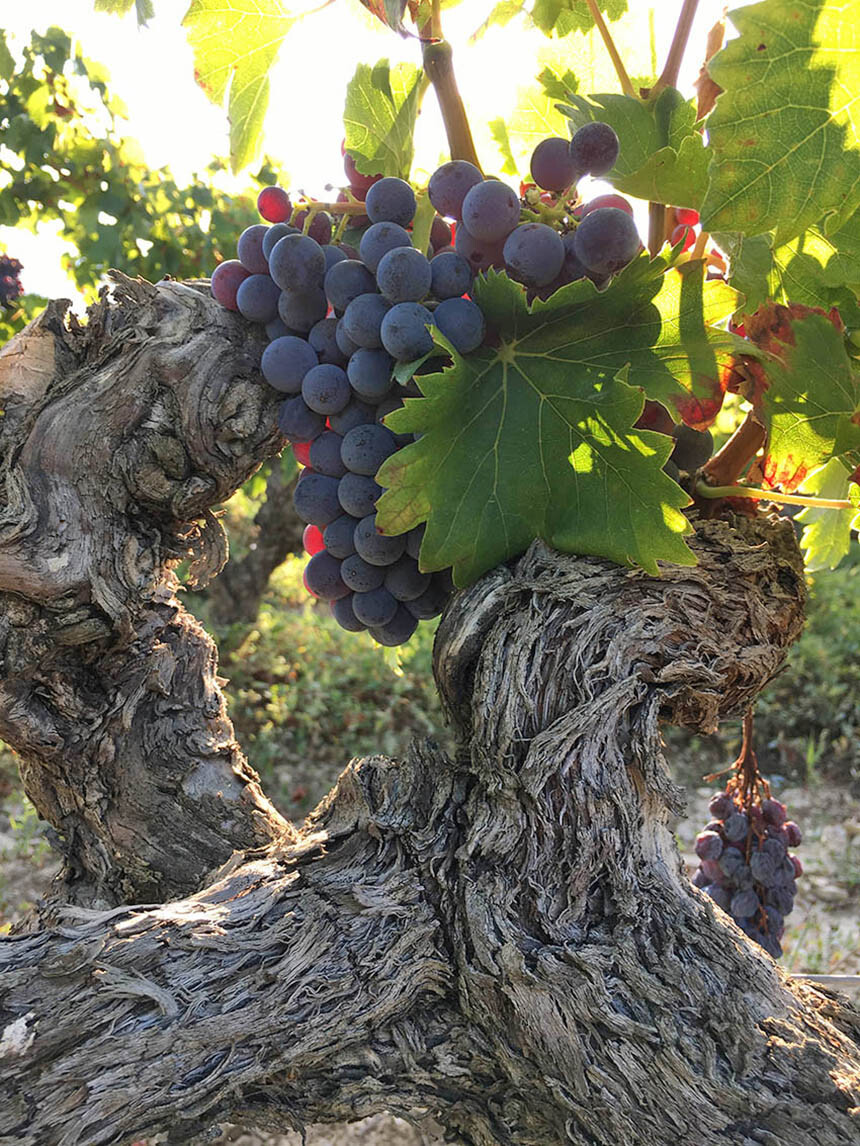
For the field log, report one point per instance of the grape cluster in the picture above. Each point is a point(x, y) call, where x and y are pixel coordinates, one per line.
point(745, 865)
point(342, 320)
point(10, 284)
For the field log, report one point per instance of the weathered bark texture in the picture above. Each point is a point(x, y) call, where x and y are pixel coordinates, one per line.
point(505, 940)
point(235, 596)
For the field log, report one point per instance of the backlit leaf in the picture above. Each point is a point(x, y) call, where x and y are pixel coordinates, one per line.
point(379, 117)
point(827, 532)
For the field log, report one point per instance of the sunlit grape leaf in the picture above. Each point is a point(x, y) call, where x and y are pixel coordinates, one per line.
point(560, 17)
point(235, 43)
point(7, 61)
point(827, 532)
point(811, 406)
point(662, 156)
point(536, 437)
point(784, 133)
point(810, 269)
point(379, 117)
point(534, 118)
point(499, 16)
point(143, 8)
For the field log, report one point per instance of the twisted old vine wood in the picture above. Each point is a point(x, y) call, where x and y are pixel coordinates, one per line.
point(505, 940)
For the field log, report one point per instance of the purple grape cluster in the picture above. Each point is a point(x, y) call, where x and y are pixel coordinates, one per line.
point(339, 321)
point(10, 283)
point(745, 865)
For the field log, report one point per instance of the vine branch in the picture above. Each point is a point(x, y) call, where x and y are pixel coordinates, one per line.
point(669, 75)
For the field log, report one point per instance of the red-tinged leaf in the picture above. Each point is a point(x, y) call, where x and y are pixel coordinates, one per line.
point(391, 12)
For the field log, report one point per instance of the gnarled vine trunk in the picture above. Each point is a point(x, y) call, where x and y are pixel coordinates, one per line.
point(505, 939)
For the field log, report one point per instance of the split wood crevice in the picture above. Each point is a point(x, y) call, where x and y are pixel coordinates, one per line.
point(505, 940)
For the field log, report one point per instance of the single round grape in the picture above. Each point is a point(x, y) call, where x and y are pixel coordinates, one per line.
point(356, 413)
point(363, 318)
point(324, 455)
point(274, 235)
point(360, 575)
point(369, 373)
point(606, 201)
point(441, 234)
point(376, 607)
point(326, 389)
point(606, 240)
point(297, 422)
point(339, 536)
point(405, 581)
point(691, 450)
point(377, 548)
point(315, 499)
point(708, 846)
point(721, 805)
point(594, 149)
point(378, 240)
point(302, 309)
point(286, 361)
point(773, 811)
point(551, 165)
point(403, 274)
point(793, 836)
point(225, 282)
point(333, 255)
point(731, 861)
point(431, 602)
point(763, 868)
point(344, 614)
point(358, 494)
point(323, 338)
point(322, 577)
point(390, 200)
point(776, 848)
point(449, 185)
point(277, 328)
point(345, 281)
point(365, 448)
point(398, 630)
point(451, 275)
point(297, 262)
point(534, 254)
point(274, 205)
point(491, 210)
point(745, 904)
point(404, 332)
point(462, 322)
point(479, 253)
point(736, 827)
point(312, 540)
point(321, 226)
point(250, 249)
point(257, 299)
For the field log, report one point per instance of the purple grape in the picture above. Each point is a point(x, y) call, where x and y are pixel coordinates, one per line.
point(346, 281)
point(344, 614)
point(326, 389)
point(257, 299)
point(773, 811)
point(297, 422)
point(315, 499)
point(390, 200)
point(378, 240)
point(225, 282)
point(405, 581)
point(736, 827)
point(449, 185)
point(594, 149)
point(709, 846)
point(250, 249)
point(462, 322)
point(793, 835)
point(606, 240)
point(322, 577)
point(398, 630)
point(721, 806)
point(297, 263)
point(338, 536)
point(375, 608)
point(491, 210)
point(377, 548)
point(286, 361)
point(451, 275)
point(719, 895)
point(745, 904)
point(325, 455)
point(551, 165)
point(533, 254)
point(365, 448)
point(360, 575)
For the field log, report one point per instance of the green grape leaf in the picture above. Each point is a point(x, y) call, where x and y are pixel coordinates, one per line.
point(813, 268)
point(827, 532)
point(561, 17)
point(144, 8)
point(536, 437)
point(379, 117)
point(500, 15)
point(662, 156)
point(811, 403)
point(784, 132)
point(534, 117)
point(235, 44)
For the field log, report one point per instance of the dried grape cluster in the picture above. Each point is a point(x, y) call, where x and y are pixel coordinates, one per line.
point(349, 326)
point(745, 864)
point(10, 283)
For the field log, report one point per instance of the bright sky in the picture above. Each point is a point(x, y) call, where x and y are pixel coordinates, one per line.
point(152, 71)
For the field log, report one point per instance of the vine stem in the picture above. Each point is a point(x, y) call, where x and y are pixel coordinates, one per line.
point(617, 62)
point(669, 75)
point(718, 491)
point(438, 59)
